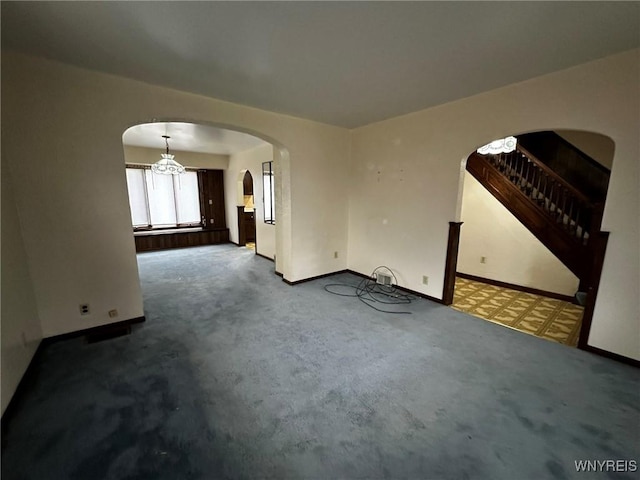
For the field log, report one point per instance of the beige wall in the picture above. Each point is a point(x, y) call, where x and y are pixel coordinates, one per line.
point(21, 333)
point(149, 156)
point(250, 160)
point(512, 253)
point(405, 175)
point(62, 137)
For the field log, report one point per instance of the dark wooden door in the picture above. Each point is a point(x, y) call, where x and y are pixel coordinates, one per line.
point(250, 226)
point(212, 199)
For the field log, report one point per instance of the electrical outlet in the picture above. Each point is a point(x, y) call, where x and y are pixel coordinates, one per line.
point(425, 280)
point(113, 313)
point(84, 309)
point(335, 254)
point(483, 259)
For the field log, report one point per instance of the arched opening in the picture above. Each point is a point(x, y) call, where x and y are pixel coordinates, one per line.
point(530, 248)
point(212, 156)
point(246, 211)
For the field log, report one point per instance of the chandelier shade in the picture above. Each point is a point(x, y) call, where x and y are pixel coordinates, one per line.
point(167, 164)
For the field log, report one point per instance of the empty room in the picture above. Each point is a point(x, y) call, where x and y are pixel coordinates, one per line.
point(244, 240)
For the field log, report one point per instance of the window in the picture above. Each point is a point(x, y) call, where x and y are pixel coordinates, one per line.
point(268, 195)
point(163, 201)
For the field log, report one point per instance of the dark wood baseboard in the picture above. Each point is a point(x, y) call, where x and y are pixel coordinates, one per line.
point(404, 289)
point(421, 295)
point(304, 280)
point(613, 356)
point(264, 256)
point(519, 288)
point(362, 275)
point(99, 330)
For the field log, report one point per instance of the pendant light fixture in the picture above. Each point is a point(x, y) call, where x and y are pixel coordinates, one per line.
point(167, 165)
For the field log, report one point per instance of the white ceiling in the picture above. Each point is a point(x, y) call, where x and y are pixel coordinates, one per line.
point(343, 63)
point(188, 137)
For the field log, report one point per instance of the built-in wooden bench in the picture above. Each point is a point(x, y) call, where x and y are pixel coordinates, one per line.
point(148, 240)
point(214, 231)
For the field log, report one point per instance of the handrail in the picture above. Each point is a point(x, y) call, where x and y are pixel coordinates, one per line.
point(563, 203)
point(581, 196)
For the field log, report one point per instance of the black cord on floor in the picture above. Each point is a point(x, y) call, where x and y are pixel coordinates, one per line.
point(369, 292)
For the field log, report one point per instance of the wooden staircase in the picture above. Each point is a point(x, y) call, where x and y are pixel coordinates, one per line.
point(562, 217)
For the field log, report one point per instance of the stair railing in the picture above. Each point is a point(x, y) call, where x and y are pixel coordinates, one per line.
point(557, 199)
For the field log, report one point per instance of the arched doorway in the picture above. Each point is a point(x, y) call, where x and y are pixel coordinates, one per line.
point(247, 214)
point(243, 151)
point(530, 220)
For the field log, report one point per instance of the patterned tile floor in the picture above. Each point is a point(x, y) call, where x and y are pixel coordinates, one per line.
point(543, 317)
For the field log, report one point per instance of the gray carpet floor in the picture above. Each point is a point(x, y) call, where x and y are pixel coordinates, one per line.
point(237, 375)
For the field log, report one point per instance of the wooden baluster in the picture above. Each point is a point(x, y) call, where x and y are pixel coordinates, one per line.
point(578, 212)
point(570, 215)
point(565, 194)
point(539, 174)
point(587, 224)
point(545, 184)
point(511, 164)
point(540, 193)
